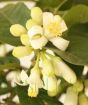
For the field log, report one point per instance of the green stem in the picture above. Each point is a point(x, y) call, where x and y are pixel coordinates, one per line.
point(59, 6)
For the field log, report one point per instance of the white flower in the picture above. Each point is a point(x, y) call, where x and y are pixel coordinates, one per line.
point(71, 97)
point(64, 71)
point(22, 78)
point(53, 25)
point(47, 67)
point(51, 84)
point(35, 82)
point(37, 39)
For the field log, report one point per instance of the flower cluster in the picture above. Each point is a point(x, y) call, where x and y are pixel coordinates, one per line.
point(40, 29)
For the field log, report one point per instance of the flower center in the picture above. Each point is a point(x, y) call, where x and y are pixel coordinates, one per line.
point(54, 28)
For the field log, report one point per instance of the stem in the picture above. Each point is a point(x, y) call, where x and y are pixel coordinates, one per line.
point(59, 6)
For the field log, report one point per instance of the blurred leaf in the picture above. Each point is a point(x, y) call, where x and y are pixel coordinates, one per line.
point(77, 52)
point(9, 62)
point(12, 14)
point(49, 4)
point(40, 100)
point(70, 3)
point(77, 14)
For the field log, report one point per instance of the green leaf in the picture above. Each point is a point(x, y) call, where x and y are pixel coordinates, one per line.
point(77, 14)
point(41, 99)
point(12, 14)
point(70, 3)
point(49, 4)
point(9, 62)
point(77, 52)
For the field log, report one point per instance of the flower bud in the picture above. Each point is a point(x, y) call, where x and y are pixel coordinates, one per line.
point(63, 70)
point(30, 23)
point(71, 97)
point(17, 30)
point(47, 68)
point(33, 91)
point(25, 39)
point(51, 84)
point(22, 51)
point(83, 100)
point(78, 86)
point(37, 15)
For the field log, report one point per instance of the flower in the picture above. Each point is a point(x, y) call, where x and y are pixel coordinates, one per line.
point(35, 82)
point(53, 25)
point(47, 67)
point(51, 84)
point(22, 78)
point(71, 97)
point(37, 39)
point(63, 70)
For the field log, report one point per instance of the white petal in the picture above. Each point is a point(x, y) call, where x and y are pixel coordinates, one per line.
point(47, 18)
point(39, 43)
point(24, 76)
point(36, 80)
point(62, 23)
point(60, 43)
point(35, 30)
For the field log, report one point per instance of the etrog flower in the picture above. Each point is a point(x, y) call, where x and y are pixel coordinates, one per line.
point(63, 70)
point(22, 78)
point(54, 26)
point(34, 80)
point(37, 39)
point(51, 84)
point(71, 97)
point(47, 67)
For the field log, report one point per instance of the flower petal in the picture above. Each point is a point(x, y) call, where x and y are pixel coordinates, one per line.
point(47, 18)
point(35, 30)
point(24, 76)
point(60, 43)
point(39, 43)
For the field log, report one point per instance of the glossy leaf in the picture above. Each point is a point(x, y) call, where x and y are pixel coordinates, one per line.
point(77, 14)
point(12, 14)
